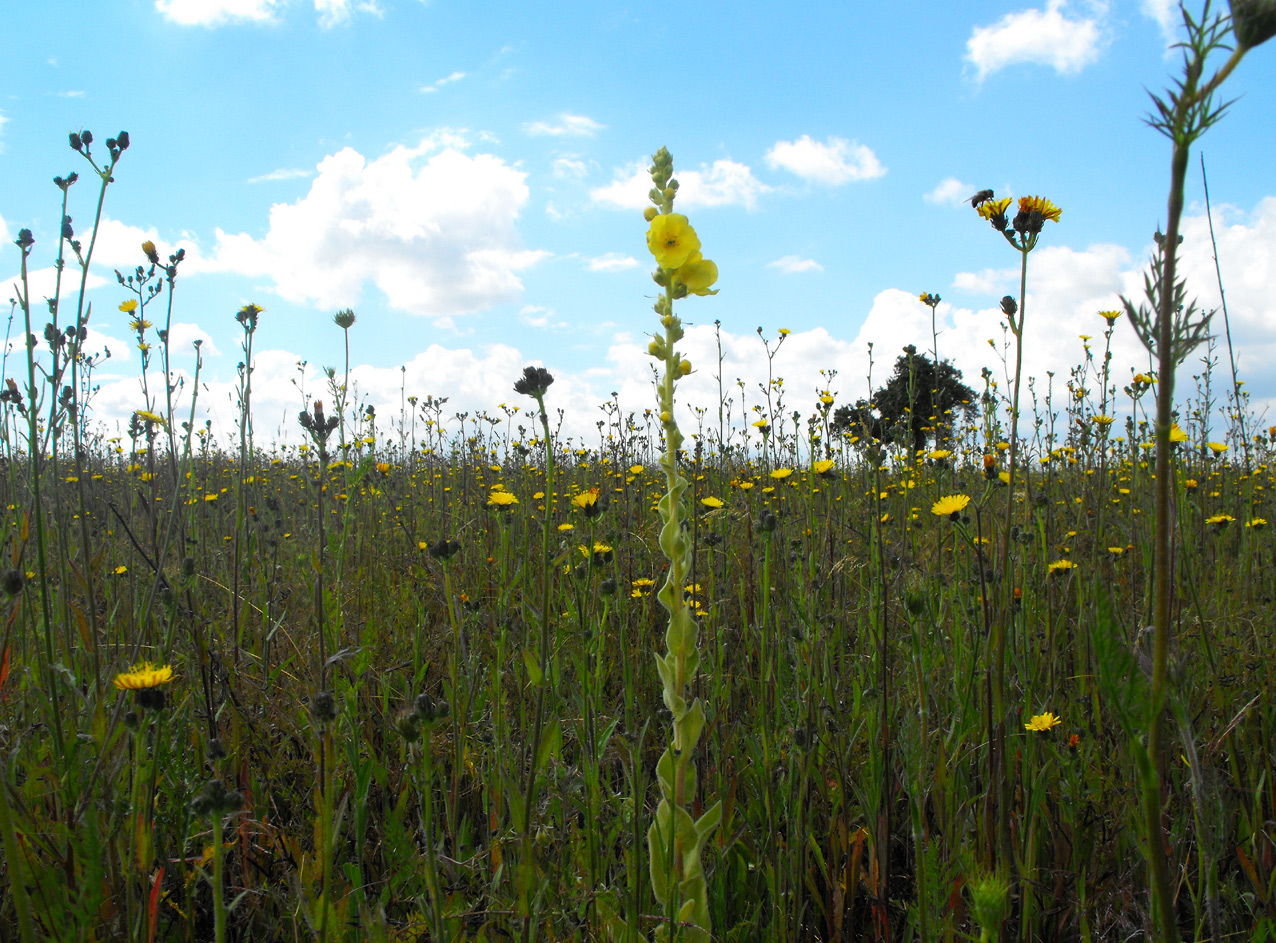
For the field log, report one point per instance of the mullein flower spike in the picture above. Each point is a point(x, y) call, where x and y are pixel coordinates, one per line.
point(675, 840)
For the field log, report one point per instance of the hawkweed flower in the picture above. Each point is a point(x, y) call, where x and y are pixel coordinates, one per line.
point(592, 502)
point(1059, 566)
point(1040, 723)
point(146, 679)
point(950, 506)
point(501, 500)
point(1220, 520)
point(823, 466)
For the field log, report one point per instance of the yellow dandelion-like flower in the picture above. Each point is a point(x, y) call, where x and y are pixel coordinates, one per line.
point(826, 399)
point(950, 505)
point(501, 499)
point(1109, 316)
point(711, 502)
point(1060, 566)
point(1191, 484)
point(1040, 723)
point(994, 208)
point(1177, 434)
point(1218, 448)
point(1257, 523)
point(147, 416)
point(1220, 520)
point(1048, 210)
point(1104, 421)
point(779, 474)
point(635, 469)
point(128, 307)
point(823, 466)
point(144, 675)
point(586, 499)
point(938, 454)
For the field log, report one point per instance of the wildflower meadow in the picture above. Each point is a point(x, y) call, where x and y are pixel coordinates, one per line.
point(943, 662)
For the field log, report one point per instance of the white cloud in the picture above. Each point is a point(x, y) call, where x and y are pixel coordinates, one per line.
point(790, 264)
point(216, 12)
point(950, 190)
point(569, 125)
point(436, 234)
point(336, 12)
point(71, 94)
point(989, 281)
point(612, 262)
point(839, 161)
point(281, 174)
point(1166, 15)
point(4, 232)
point(724, 183)
point(569, 165)
point(182, 337)
point(1045, 37)
point(439, 83)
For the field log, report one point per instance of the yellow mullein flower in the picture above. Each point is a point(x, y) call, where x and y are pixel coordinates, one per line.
point(671, 240)
point(697, 274)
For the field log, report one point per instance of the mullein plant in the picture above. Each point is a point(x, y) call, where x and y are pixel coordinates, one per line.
point(675, 840)
point(1169, 328)
point(1022, 233)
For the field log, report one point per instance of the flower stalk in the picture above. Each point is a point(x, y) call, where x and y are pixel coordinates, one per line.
point(675, 840)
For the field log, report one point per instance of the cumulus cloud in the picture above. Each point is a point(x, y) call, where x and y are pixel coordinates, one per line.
point(434, 229)
point(1045, 37)
point(790, 264)
point(723, 183)
point(439, 83)
point(951, 191)
point(836, 162)
point(216, 12)
point(568, 125)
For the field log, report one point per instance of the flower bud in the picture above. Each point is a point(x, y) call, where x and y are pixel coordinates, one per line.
point(650, 213)
point(1253, 21)
point(1009, 306)
point(685, 367)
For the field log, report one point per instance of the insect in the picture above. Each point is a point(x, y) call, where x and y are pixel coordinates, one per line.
point(983, 196)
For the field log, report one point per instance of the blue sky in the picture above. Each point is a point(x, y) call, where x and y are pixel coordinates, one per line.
point(466, 177)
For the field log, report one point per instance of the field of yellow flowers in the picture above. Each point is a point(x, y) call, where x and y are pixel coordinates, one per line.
point(901, 672)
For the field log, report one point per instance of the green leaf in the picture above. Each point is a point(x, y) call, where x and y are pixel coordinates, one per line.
point(551, 744)
point(533, 664)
